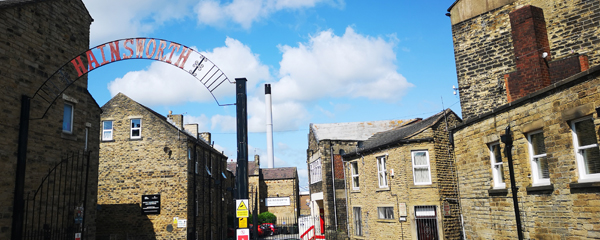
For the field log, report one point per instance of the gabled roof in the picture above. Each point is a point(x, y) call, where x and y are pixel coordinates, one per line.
point(267, 173)
point(279, 173)
point(163, 118)
point(383, 139)
point(354, 131)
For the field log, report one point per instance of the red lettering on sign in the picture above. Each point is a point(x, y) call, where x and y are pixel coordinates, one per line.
point(115, 54)
point(183, 57)
point(128, 48)
point(161, 49)
point(173, 51)
point(153, 42)
point(101, 47)
point(92, 59)
point(78, 64)
point(139, 50)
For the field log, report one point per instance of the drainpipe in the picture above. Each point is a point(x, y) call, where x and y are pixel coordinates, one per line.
point(508, 144)
point(347, 203)
point(333, 182)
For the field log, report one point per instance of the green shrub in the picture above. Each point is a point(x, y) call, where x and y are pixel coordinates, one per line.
point(266, 217)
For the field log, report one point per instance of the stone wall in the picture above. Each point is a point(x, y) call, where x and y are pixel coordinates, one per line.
point(283, 188)
point(484, 50)
point(161, 162)
point(402, 189)
point(36, 38)
point(566, 209)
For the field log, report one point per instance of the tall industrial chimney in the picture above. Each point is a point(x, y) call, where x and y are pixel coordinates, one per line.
point(268, 102)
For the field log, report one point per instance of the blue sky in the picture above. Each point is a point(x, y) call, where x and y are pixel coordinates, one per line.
point(328, 61)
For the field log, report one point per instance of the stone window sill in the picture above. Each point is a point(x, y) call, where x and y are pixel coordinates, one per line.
point(498, 192)
point(382, 189)
point(355, 191)
point(136, 139)
point(68, 136)
point(545, 189)
point(386, 220)
point(586, 187)
point(112, 140)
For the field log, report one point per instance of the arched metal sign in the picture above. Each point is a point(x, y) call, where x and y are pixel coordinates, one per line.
point(162, 50)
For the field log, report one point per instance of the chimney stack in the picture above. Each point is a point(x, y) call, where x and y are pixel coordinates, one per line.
point(192, 129)
point(206, 136)
point(268, 103)
point(532, 53)
point(177, 119)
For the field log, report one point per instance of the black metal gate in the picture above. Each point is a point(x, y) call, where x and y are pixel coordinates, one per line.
point(56, 208)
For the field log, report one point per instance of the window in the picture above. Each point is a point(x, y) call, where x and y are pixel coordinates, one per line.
point(107, 130)
point(421, 171)
point(68, 118)
point(385, 212)
point(354, 173)
point(586, 149)
point(357, 221)
point(382, 171)
point(315, 171)
point(136, 128)
point(497, 168)
point(539, 162)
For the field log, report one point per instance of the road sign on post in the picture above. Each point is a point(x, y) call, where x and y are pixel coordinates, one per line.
point(243, 234)
point(241, 208)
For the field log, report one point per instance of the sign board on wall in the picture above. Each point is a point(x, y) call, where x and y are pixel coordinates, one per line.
point(150, 204)
point(278, 201)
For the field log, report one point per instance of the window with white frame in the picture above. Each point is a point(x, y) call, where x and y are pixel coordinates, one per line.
point(385, 212)
point(136, 128)
point(354, 173)
point(315, 171)
point(497, 167)
point(421, 169)
point(539, 162)
point(382, 171)
point(586, 149)
point(357, 221)
point(68, 118)
point(107, 130)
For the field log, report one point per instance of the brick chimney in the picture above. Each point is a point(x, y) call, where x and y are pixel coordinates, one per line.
point(177, 119)
point(530, 42)
point(192, 129)
point(206, 136)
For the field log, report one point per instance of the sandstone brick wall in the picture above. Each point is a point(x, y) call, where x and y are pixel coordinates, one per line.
point(284, 188)
point(36, 38)
point(159, 163)
point(403, 190)
point(484, 50)
point(566, 209)
point(325, 149)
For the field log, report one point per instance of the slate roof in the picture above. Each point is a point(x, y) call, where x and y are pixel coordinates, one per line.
point(267, 173)
point(278, 173)
point(355, 131)
point(232, 166)
point(382, 139)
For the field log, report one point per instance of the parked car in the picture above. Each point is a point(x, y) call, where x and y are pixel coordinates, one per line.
point(273, 229)
point(261, 230)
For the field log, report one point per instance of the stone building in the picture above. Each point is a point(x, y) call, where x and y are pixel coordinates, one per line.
point(326, 143)
point(522, 69)
point(304, 203)
point(277, 190)
point(36, 39)
point(146, 156)
point(401, 184)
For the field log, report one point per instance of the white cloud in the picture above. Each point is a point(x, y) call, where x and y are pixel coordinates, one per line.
point(287, 115)
point(246, 12)
point(201, 120)
point(115, 19)
point(223, 123)
point(164, 84)
point(351, 65)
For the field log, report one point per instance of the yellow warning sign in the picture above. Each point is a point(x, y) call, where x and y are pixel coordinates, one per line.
point(243, 222)
point(242, 214)
point(242, 206)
